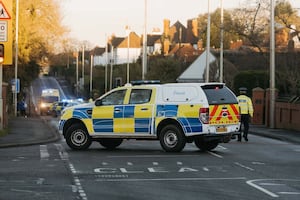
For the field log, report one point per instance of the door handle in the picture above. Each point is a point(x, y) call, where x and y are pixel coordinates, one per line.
point(117, 110)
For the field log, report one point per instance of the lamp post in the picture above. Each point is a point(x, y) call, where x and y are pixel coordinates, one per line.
point(207, 42)
point(272, 66)
point(82, 72)
point(16, 57)
point(106, 52)
point(144, 69)
point(128, 31)
point(91, 75)
point(221, 42)
point(77, 83)
point(111, 66)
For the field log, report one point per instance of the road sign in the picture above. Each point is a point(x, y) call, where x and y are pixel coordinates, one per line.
point(15, 85)
point(4, 14)
point(3, 31)
point(6, 33)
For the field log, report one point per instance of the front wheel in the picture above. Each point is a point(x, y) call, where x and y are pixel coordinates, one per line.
point(77, 137)
point(111, 143)
point(172, 139)
point(206, 145)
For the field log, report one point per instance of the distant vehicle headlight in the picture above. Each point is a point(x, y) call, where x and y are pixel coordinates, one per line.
point(43, 105)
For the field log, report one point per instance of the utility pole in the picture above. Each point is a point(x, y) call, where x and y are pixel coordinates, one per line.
point(16, 57)
point(128, 45)
point(77, 74)
point(91, 76)
point(106, 52)
point(144, 70)
point(221, 42)
point(111, 66)
point(208, 42)
point(82, 72)
point(272, 66)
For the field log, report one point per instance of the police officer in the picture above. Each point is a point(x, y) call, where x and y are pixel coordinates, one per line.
point(246, 111)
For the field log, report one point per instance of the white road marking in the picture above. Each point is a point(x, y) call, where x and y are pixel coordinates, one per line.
point(214, 154)
point(258, 163)
point(167, 179)
point(152, 156)
point(44, 152)
point(65, 156)
point(205, 169)
point(244, 166)
point(179, 163)
point(40, 181)
point(104, 163)
point(251, 183)
point(293, 193)
point(221, 147)
point(265, 182)
point(271, 184)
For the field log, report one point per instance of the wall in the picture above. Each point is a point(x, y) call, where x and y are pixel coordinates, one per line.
point(287, 114)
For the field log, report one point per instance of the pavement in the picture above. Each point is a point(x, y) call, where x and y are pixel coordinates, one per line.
point(37, 130)
point(29, 131)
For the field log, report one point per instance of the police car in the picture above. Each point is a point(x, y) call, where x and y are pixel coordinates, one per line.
point(174, 113)
point(57, 107)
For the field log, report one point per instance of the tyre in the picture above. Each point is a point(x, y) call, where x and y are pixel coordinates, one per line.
point(172, 138)
point(110, 143)
point(206, 145)
point(77, 137)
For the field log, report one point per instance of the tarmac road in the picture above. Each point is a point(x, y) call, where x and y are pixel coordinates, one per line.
point(38, 130)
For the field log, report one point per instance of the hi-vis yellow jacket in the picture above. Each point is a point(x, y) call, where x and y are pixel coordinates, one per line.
point(245, 104)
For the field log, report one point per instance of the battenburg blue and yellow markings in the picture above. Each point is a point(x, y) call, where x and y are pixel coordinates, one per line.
point(136, 118)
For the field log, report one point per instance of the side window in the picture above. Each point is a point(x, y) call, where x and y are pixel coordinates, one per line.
point(139, 96)
point(114, 98)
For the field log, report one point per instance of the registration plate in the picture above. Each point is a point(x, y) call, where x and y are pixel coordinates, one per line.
point(221, 129)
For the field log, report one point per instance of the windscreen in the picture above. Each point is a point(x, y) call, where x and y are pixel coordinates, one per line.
point(49, 99)
point(219, 94)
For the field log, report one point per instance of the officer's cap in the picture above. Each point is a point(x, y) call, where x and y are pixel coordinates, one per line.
point(243, 89)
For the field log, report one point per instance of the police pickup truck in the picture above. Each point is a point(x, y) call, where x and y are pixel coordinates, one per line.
point(174, 113)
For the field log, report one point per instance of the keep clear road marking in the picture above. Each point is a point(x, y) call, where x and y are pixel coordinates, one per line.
point(166, 179)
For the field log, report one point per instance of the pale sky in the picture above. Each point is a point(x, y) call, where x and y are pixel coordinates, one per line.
point(95, 20)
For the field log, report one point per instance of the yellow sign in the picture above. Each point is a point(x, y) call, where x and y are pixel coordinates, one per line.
point(6, 33)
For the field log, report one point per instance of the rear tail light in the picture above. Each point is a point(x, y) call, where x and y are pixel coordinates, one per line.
point(204, 115)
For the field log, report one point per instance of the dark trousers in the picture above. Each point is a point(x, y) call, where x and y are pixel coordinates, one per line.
point(245, 122)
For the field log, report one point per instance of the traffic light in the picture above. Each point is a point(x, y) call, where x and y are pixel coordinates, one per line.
point(1, 53)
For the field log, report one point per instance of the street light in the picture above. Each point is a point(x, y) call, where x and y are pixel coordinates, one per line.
point(208, 42)
point(16, 55)
point(91, 75)
point(128, 31)
point(144, 69)
point(272, 66)
point(221, 45)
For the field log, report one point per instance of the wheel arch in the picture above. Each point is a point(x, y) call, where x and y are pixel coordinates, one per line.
point(70, 122)
point(168, 121)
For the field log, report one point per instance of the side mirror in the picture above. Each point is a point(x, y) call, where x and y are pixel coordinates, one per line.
point(98, 102)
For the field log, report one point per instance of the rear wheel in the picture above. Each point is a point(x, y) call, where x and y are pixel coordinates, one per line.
point(206, 145)
point(110, 143)
point(172, 139)
point(77, 137)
